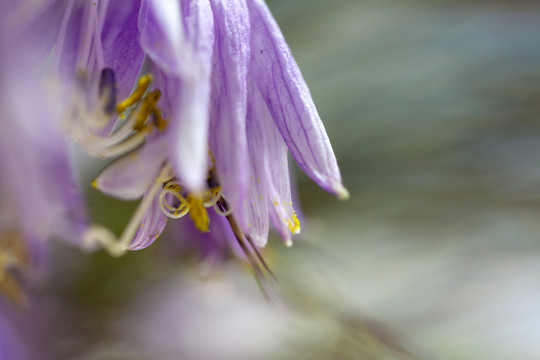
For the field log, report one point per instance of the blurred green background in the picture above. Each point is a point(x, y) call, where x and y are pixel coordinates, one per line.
point(433, 109)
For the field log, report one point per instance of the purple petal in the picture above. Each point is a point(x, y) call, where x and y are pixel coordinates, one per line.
point(34, 161)
point(257, 214)
point(188, 131)
point(190, 98)
point(120, 41)
point(282, 86)
point(213, 245)
point(130, 176)
point(229, 101)
point(276, 168)
point(34, 24)
point(163, 37)
point(152, 224)
point(74, 34)
point(68, 41)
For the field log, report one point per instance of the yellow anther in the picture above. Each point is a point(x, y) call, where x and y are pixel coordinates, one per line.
point(198, 213)
point(159, 121)
point(172, 186)
point(136, 95)
point(148, 104)
point(94, 183)
point(294, 223)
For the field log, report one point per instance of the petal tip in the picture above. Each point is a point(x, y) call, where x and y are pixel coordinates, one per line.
point(342, 193)
point(259, 241)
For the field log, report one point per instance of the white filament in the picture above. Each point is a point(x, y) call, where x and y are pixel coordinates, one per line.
point(118, 246)
point(221, 212)
point(119, 141)
point(213, 200)
point(171, 211)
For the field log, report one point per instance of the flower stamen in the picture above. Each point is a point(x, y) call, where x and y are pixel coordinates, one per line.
point(259, 267)
point(211, 196)
point(132, 126)
point(171, 201)
point(147, 105)
point(136, 95)
point(198, 213)
point(118, 246)
point(294, 223)
point(176, 203)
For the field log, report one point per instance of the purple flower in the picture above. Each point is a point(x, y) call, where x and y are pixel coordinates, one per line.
point(40, 200)
point(221, 74)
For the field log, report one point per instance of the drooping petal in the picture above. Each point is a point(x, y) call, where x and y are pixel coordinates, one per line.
point(274, 157)
point(278, 77)
point(131, 175)
point(257, 214)
point(229, 101)
point(152, 224)
point(190, 98)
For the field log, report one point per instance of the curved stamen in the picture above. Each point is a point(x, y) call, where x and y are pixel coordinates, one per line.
point(125, 146)
point(176, 203)
point(218, 210)
point(174, 212)
point(212, 197)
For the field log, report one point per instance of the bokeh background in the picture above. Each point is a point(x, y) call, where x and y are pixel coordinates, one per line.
point(433, 108)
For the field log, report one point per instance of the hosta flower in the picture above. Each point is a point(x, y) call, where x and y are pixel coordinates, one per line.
point(218, 103)
point(39, 198)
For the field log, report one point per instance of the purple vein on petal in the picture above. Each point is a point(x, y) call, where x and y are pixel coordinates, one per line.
point(282, 86)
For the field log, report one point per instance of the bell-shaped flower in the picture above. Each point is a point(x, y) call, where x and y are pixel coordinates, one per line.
point(207, 127)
